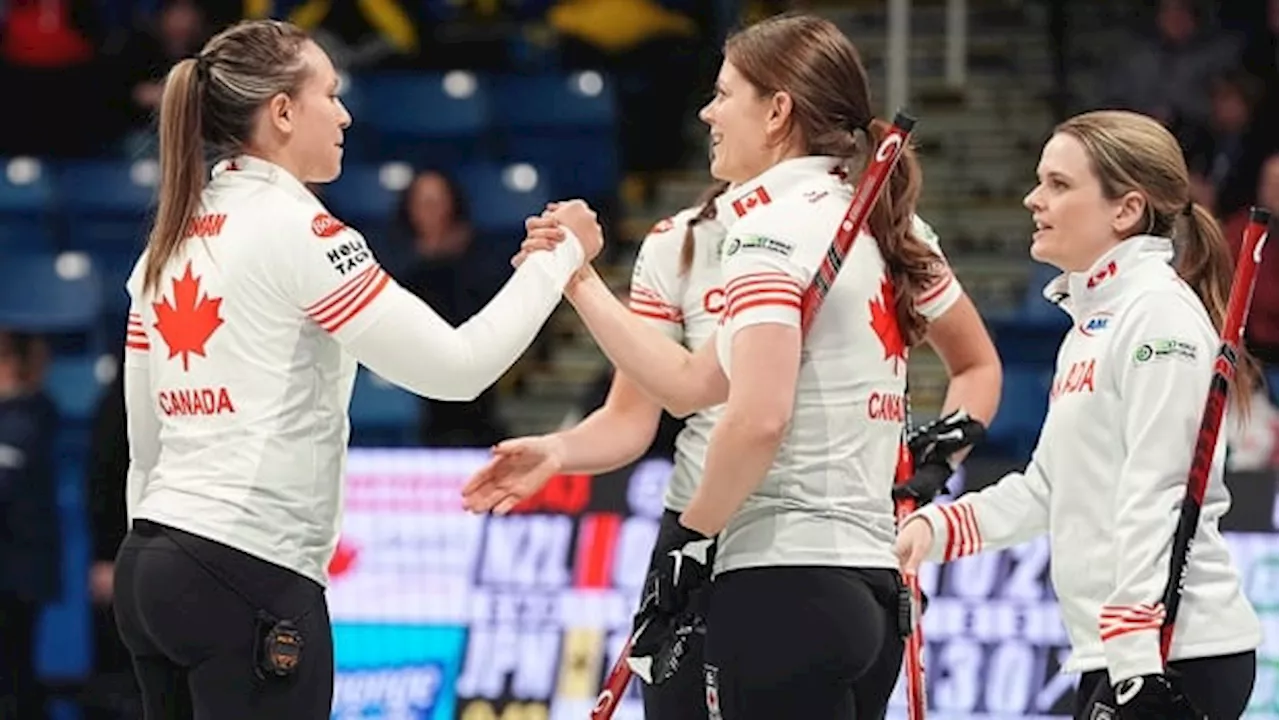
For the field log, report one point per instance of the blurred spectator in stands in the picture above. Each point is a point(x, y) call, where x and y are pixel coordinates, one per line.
point(57, 91)
point(432, 253)
point(1264, 318)
point(112, 691)
point(30, 552)
point(480, 35)
point(1252, 440)
point(178, 30)
point(659, 56)
point(357, 35)
point(1223, 153)
point(1261, 48)
point(1167, 76)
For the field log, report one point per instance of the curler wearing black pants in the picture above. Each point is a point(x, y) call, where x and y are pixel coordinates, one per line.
point(819, 643)
point(191, 612)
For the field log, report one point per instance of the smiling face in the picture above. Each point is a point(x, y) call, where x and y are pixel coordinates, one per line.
point(1075, 223)
point(738, 119)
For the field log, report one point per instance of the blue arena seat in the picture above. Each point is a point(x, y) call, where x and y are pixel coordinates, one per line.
point(1034, 303)
point(422, 118)
point(381, 413)
point(72, 381)
point(564, 122)
point(502, 196)
point(107, 202)
point(365, 195)
point(113, 268)
point(563, 101)
point(1028, 341)
point(49, 293)
point(26, 200)
point(1024, 400)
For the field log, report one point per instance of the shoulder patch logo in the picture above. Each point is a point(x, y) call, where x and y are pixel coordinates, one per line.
point(325, 225)
point(1165, 349)
point(758, 243)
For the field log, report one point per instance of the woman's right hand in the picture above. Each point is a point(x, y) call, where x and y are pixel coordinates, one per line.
point(581, 220)
point(915, 539)
point(519, 468)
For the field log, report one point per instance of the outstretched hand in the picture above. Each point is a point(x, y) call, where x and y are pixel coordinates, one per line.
point(519, 468)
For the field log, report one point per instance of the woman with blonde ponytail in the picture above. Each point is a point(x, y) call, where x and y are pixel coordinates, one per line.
point(1146, 275)
point(250, 309)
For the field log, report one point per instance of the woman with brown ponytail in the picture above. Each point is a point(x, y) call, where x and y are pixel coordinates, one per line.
point(791, 461)
point(1146, 275)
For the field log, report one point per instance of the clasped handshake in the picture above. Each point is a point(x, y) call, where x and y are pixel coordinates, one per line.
point(546, 231)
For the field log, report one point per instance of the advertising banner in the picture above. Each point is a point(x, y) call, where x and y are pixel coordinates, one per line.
point(439, 614)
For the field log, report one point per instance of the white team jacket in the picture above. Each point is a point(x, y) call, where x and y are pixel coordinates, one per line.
point(1108, 475)
point(687, 307)
point(240, 364)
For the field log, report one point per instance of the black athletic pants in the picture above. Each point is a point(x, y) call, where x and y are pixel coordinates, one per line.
point(1218, 686)
point(194, 613)
point(820, 643)
point(21, 694)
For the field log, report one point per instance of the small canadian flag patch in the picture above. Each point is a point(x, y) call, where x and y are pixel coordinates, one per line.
point(759, 196)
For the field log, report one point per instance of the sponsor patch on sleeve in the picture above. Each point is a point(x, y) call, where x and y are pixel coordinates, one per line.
point(1149, 351)
point(757, 243)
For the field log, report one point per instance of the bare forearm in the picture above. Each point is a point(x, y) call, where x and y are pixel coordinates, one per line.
point(653, 361)
point(738, 458)
point(977, 390)
point(605, 440)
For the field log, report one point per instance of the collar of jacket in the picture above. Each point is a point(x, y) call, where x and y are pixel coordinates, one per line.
point(740, 200)
point(248, 167)
point(1080, 293)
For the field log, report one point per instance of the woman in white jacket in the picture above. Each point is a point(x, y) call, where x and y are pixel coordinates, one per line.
point(1106, 479)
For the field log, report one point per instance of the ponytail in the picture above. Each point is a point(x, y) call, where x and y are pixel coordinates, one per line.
point(182, 173)
point(708, 212)
point(1205, 263)
point(911, 265)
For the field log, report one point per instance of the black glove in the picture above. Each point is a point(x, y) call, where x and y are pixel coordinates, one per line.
point(661, 642)
point(929, 482)
point(931, 448)
point(672, 606)
point(1152, 697)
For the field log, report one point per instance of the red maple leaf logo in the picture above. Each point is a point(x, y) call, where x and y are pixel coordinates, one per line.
point(187, 324)
point(884, 321)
